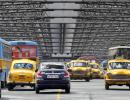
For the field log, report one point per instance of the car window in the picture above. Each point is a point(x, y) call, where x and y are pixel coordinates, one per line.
point(120, 65)
point(79, 64)
point(23, 66)
point(52, 67)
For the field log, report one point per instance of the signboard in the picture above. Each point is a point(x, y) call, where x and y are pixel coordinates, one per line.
point(24, 52)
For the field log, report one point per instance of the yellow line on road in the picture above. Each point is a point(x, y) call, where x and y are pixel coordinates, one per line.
point(58, 95)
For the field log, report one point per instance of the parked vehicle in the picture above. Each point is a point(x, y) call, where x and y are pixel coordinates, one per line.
point(118, 73)
point(22, 73)
point(52, 76)
point(79, 69)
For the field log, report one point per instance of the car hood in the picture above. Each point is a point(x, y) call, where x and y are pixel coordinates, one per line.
point(120, 71)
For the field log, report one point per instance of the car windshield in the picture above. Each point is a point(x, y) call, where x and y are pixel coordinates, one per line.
point(23, 66)
point(79, 64)
point(94, 66)
point(119, 65)
point(52, 67)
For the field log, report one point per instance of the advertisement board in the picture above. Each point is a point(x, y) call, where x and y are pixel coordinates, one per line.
point(24, 52)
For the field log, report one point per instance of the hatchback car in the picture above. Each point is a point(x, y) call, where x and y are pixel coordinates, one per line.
point(96, 70)
point(79, 69)
point(52, 76)
point(22, 72)
point(118, 73)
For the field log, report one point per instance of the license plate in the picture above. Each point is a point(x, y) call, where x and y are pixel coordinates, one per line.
point(52, 76)
point(21, 77)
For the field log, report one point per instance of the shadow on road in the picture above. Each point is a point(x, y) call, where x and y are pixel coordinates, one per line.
point(78, 81)
point(22, 90)
point(117, 89)
point(42, 92)
point(55, 92)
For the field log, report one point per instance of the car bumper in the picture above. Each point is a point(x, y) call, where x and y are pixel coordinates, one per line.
point(21, 83)
point(118, 81)
point(96, 76)
point(52, 84)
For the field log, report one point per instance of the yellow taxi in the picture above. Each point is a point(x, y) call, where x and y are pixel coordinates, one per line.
point(22, 72)
point(118, 73)
point(79, 69)
point(96, 70)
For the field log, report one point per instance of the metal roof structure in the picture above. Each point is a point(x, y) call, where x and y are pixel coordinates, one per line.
point(67, 28)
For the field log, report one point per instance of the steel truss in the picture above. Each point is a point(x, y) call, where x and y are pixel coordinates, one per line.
point(107, 20)
point(99, 25)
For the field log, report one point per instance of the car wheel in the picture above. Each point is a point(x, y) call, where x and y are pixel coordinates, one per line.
point(87, 79)
point(67, 90)
point(37, 91)
point(106, 86)
point(3, 84)
point(129, 87)
point(10, 87)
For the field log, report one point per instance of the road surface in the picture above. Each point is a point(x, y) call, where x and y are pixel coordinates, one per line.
point(80, 90)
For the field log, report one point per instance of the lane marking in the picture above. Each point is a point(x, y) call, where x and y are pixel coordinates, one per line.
point(58, 95)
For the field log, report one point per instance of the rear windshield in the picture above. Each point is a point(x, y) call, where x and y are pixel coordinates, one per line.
point(79, 64)
point(23, 66)
point(52, 67)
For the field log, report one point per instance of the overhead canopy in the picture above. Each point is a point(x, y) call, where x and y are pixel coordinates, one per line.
point(67, 28)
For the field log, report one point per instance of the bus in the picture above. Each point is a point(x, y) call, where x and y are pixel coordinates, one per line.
point(24, 50)
point(119, 52)
point(5, 61)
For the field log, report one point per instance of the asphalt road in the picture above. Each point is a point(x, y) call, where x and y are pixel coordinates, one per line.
point(80, 90)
